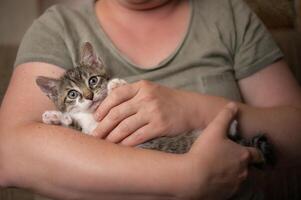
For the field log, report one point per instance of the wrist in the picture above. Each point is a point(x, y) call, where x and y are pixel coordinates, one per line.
point(192, 115)
point(197, 118)
point(205, 109)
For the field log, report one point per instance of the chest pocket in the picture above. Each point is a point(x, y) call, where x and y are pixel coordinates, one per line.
point(223, 85)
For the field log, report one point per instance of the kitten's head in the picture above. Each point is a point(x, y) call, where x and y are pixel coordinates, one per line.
point(80, 89)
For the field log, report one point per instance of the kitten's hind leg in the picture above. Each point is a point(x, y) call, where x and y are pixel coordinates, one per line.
point(260, 142)
point(264, 146)
point(266, 149)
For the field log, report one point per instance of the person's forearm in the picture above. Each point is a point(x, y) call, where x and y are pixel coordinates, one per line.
point(58, 162)
point(281, 124)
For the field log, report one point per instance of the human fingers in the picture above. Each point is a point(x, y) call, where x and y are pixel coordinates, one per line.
point(255, 157)
point(221, 122)
point(116, 97)
point(126, 128)
point(140, 136)
point(113, 118)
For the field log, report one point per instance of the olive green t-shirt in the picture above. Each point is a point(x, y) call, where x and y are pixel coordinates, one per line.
point(224, 42)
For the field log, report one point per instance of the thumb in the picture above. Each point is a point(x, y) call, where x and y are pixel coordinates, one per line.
point(220, 124)
point(256, 156)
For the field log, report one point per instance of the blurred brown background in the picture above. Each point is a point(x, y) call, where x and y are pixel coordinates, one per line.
point(282, 17)
point(15, 17)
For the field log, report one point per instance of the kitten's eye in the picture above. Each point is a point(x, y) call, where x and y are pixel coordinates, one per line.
point(93, 81)
point(72, 94)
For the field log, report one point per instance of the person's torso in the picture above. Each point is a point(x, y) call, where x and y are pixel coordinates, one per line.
point(202, 62)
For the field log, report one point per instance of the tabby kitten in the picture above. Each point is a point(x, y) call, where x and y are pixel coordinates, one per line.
point(80, 90)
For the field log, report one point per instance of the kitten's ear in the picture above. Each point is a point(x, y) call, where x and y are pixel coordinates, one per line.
point(49, 86)
point(89, 57)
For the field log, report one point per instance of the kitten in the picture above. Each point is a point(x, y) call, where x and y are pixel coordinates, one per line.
point(80, 90)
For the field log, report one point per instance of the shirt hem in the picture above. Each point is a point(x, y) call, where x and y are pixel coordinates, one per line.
point(52, 61)
point(261, 64)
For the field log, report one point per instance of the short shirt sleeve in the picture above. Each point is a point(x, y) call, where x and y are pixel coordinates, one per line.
point(44, 42)
point(255, 47)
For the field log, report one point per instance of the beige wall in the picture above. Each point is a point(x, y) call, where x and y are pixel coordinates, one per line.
point(15, 17)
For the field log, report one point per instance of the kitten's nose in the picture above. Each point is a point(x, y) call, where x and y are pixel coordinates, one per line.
point(89, 96)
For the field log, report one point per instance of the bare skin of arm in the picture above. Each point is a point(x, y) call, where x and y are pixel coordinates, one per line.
point(61, 163)
point(272, 106)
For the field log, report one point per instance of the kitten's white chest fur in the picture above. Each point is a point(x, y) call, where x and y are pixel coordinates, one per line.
point(86, 121)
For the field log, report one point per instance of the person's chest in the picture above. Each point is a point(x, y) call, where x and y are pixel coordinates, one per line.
point(147, 40)
point(202, 63)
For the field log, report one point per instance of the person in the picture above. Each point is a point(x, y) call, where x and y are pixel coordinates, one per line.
point(210, 52)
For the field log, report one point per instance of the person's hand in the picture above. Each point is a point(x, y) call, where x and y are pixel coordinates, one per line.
point(221, 163)
point(135, 113)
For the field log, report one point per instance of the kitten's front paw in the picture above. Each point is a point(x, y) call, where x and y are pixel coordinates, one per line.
point(114, 83)
point(66, 120)
point(52, 117)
